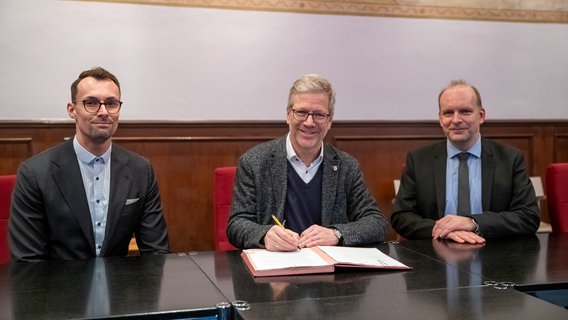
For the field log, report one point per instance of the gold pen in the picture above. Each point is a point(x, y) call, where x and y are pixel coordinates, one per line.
point(281, 226)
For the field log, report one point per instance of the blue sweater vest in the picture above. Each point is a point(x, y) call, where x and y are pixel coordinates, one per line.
point(303, 201)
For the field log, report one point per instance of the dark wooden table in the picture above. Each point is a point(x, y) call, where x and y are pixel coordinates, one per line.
point(448, 281)
point(165, 287)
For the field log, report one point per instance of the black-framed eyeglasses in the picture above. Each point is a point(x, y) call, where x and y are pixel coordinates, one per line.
point(302, 115)
point(94, 105)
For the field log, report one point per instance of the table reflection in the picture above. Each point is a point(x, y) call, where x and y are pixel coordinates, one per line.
point(469, 269)
point(461, 254)
point(556, 269)
point(304, 290)
point(515, 259)
point(93, 288)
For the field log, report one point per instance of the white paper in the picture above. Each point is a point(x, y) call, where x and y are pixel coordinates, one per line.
point(270, 260)
point(360, 256)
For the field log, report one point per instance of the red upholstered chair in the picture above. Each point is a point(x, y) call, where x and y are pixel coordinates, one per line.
point(6, 186)
point(222, 197)
point(557, 196)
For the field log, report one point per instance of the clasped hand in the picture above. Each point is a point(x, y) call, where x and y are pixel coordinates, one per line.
point(278, 239)
point(456, 228)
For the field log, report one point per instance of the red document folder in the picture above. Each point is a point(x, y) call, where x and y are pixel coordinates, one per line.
point(324, 259)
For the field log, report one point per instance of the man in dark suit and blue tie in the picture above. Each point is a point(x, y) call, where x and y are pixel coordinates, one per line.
point(500, 200)
point(88, 196)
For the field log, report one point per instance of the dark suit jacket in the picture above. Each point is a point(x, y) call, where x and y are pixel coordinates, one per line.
point(50, 218)
point(260, 191)
point(508, 198)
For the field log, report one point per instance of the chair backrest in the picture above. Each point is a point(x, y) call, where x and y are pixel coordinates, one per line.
point(222, 197)
point(557, 196)
point(7, 183)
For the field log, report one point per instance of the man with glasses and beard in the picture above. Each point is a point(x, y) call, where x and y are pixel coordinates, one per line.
point(88, 196)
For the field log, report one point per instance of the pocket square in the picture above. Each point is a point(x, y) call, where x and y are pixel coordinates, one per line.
point(131, 201)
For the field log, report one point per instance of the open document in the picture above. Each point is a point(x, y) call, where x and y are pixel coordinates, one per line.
point(322, 259)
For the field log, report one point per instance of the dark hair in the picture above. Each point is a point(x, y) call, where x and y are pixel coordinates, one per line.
point(97, 73)
point(461, 82)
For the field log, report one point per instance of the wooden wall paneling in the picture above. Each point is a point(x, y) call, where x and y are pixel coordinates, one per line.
point(184, 155)
point(560, 147)
point(20, 140)
point(12, 152)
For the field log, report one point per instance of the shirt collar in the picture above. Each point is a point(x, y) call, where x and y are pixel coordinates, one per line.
point(85, 156)
point(291, 153)
point(475, 149)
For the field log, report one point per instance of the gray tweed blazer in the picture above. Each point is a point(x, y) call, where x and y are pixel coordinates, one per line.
point(260, 191)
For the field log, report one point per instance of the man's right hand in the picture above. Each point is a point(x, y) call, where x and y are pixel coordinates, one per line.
point(278, 239)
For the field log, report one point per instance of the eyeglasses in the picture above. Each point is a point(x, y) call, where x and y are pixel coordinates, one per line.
point(94, 105)
point(302, 115)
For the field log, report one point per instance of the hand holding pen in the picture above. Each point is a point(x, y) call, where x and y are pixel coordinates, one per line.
point(279, 238)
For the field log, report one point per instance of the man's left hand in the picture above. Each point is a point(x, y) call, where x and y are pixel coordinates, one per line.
point(458, 228)
point(318, 236)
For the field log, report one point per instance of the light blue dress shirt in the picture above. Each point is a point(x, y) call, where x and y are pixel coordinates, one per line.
point(305, 172)
point(474, 163)
point(95, 172)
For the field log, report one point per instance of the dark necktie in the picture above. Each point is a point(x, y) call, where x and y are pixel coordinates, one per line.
point(464, 208)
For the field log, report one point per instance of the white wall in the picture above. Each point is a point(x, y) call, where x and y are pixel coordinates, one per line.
point(206, 64)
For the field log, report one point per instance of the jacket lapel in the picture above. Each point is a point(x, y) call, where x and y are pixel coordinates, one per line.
point(440, 155)
point(278, 177)
point(120, 181)
point(331, 168)
point(65, 169)
point(487, 174)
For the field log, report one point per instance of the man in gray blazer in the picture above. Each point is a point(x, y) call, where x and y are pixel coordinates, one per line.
point(316, 191)
point(86, 197)
point(502, 200)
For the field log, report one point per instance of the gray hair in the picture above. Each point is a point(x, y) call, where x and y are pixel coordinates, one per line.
point(312, 83)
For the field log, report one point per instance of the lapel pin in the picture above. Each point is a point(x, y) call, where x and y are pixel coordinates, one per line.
point(334, 168)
